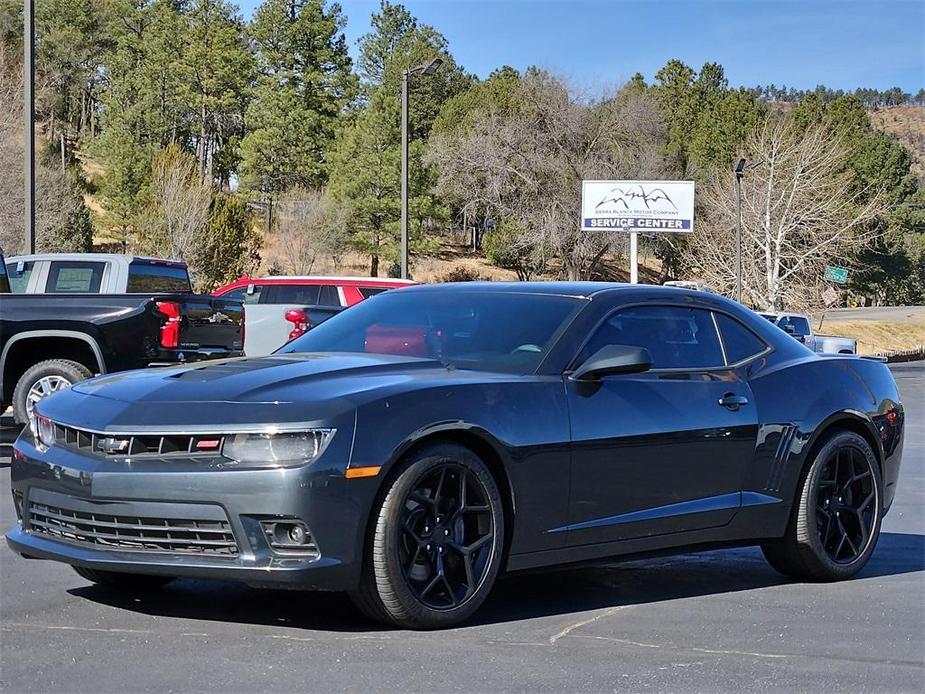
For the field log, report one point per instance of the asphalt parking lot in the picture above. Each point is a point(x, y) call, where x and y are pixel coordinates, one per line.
point(714, 621)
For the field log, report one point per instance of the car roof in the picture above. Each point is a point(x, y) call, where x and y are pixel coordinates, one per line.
point(97, 257)
point(574, 289)
point(322, 278)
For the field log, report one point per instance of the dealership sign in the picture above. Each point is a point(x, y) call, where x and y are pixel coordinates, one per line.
point(645, 207)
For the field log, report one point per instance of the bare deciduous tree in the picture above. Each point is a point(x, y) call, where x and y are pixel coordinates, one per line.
point(800, 212)
point(310, 224)
point(528, 166)
point(179, 207)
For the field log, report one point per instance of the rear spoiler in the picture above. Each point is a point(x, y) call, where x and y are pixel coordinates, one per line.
point(874, 357)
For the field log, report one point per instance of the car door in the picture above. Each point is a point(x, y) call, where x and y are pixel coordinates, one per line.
point(665, 450)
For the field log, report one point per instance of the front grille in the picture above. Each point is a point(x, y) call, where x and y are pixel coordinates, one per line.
point(133, 533)
point(112, 445)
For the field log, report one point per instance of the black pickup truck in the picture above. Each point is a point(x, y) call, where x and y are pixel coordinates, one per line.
point(48, 341)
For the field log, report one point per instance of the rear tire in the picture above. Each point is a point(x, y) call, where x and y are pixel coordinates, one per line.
point(436, 543)
point(115, 579)
point(835, 521)
point(54, 374)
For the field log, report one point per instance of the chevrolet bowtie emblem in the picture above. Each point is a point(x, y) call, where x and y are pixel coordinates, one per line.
point(111, 445)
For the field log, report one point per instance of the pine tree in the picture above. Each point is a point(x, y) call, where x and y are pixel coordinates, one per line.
point(217, 68)
point(142, 108)
point(365, 172)
point(304, 85)
point(70, 43)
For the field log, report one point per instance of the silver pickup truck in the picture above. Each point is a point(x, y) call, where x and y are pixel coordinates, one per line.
point(800, 327)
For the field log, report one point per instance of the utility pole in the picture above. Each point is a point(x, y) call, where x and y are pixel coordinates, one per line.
point(404, 174)
point(739, 172)
point(428, 68)
point(28, 65)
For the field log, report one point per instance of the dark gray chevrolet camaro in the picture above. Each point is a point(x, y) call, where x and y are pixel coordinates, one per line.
point(416, 445)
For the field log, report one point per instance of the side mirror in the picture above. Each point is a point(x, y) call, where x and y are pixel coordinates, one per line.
point(613, 359)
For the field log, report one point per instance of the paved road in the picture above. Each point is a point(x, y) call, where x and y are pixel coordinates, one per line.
point(712, 621)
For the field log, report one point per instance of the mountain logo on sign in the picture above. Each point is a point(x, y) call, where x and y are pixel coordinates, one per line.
point(652, 197)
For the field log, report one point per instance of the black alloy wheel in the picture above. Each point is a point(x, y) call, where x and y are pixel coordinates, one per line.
point(835, 520)
point(846, 504)
point(447, 529)
point(436, 541)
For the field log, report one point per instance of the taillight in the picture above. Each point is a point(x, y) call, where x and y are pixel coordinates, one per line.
point(170, 331)
point(299, 320)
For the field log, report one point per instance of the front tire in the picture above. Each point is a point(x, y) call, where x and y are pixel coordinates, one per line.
point(835, 522)
point(436, 544)
point(44, 379)
point(123, 581)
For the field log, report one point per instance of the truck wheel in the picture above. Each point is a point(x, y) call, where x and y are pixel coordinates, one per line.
point(43, 379)
point(125, 581)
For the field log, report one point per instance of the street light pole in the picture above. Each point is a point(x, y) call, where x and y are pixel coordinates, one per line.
point(404, 174)
point(423, 69)
point(739, 172)
point(28, 65)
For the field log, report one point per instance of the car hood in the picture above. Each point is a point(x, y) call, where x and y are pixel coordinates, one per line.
point(276, 388)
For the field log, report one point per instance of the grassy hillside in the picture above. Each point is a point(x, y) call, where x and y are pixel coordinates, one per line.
point(876, 337)
point(907, 124)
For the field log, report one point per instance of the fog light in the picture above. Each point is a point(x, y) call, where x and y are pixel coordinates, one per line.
point(289, 536)
point(297, 534)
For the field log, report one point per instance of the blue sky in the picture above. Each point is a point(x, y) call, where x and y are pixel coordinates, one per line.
point(800, 43)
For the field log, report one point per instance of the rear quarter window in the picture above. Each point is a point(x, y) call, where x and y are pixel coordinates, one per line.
point(371, 291)
point(739, 342)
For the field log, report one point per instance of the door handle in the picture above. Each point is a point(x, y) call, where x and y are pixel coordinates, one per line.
point(732, 401)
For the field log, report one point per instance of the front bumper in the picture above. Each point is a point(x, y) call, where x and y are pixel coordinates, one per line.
point(332, 507)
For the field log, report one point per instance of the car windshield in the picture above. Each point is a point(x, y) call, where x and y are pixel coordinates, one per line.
point(485, 330)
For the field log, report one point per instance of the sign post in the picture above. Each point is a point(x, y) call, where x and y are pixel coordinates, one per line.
point(647, 207)
point(634, 257)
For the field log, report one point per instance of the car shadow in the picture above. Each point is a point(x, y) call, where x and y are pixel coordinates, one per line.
point(515, 597)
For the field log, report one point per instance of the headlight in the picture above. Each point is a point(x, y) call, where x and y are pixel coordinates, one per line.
point(277, 450)
point(43, 430)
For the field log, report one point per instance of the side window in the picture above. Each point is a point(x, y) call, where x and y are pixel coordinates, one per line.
point(252, 297)
point(329, 296)
point(19, 273)
point(235, 294)
point(74, 277)
point(800, 326)
point(676, 337)
point(295, 294)
point(739, 342)
point(367, 292)
point(241, 294)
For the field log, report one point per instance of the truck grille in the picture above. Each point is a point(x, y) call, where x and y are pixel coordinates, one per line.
point(137, 445)
point(133, 533)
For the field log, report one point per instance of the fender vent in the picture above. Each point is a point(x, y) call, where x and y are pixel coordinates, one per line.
point(778, 464)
